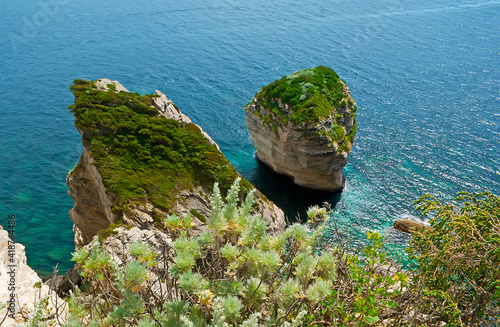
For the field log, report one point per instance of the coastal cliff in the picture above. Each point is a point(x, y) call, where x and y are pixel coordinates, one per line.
point(17, 278)
point(303, 125)
point(143, 160)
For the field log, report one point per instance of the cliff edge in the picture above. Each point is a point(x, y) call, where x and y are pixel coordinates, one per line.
point(143, 160)
point(21, 287)
point(303, 125)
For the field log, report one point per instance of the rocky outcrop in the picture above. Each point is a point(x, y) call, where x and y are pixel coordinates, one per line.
point(409, 226)
point(97, 207)
point(92, 210)
point(168, 109)
point(63, 284)
point(105, 84)
point(307, 132)
point(17, 278)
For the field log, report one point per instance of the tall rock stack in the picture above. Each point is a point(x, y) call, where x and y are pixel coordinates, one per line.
point(303, 125)
point(142, 160)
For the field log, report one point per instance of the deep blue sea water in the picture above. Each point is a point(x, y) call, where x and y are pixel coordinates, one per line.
point(425, 75)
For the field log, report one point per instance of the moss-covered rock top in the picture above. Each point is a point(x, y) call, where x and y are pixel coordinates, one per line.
point(141, 154)
point(309, 95)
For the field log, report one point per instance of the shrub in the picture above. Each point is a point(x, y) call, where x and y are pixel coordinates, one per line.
point(236, 273)
point(336, 133)
point(458, 260)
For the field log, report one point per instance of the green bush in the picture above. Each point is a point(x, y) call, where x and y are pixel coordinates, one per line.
point(236, 273)
point(312, 93)
point(336, 133)
point(458, 260)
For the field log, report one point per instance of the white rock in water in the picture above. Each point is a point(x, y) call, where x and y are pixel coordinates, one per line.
point(309, 152)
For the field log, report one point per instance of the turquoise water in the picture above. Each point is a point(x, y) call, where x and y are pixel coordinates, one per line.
point(425, 76)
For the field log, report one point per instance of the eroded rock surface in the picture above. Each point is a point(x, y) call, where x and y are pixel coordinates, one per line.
point(92, 209)
point(307, 130)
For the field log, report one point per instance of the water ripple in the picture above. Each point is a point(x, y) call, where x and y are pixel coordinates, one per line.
point(424, 75)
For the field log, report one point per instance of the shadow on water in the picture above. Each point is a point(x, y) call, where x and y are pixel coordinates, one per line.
point(291, 198)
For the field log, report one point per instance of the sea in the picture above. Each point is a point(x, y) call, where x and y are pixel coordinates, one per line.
point(425, 75)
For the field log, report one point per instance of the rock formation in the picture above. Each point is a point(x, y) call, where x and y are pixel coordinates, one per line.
point(303, 126)
point(24, 283)
point(117, 245)
point(409, 226)
point(138, 167)
point(63, 284)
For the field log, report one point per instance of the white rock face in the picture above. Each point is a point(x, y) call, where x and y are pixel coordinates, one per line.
point(304, 152)
point(307, 159)
point(169, 110)
point(102, 84)
point(15, 272)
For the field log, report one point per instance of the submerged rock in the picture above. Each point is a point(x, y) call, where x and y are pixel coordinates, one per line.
point(303, 125)
point(143, 160)
point(409, 226)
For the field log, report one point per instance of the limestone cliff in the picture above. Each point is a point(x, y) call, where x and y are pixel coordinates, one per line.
point(303, 126)
point(17, 278)
point(142, 160)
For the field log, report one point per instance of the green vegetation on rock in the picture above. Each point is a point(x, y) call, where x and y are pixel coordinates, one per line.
point(141, 154)
point(308, 97)
point(346, 145)
point(336, 132)
point(312, 94)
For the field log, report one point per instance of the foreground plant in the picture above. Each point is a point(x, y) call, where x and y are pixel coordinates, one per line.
point(237, 273)
point(458, 260)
